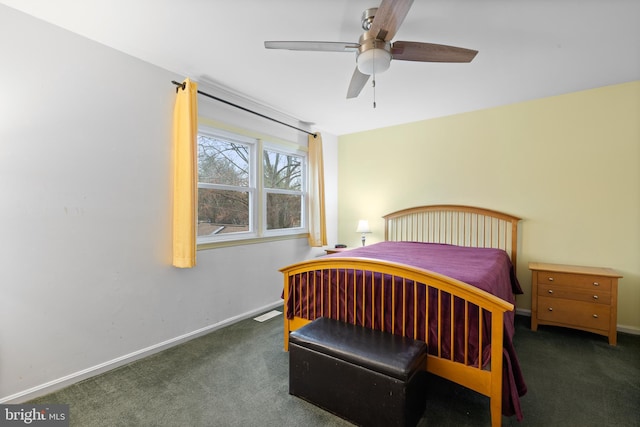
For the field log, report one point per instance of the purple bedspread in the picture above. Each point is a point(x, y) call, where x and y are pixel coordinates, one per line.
point(485, 268)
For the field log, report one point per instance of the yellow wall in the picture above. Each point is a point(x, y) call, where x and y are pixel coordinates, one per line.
point(568, 165)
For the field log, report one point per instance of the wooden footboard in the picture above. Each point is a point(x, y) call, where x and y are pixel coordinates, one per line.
point(462, 325)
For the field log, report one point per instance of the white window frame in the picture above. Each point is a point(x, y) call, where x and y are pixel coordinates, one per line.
point(303, 192)
point(257, 192)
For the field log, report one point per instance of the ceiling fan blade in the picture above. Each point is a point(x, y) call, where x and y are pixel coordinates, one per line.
point(430, 52)
point(358, 80)
point(389, 17)
point(313, 46)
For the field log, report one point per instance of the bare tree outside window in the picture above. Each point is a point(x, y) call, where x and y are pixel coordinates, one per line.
point(233, 190)
point(223, 189)
point(283, 185)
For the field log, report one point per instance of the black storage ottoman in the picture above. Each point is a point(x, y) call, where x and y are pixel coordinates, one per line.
point(368, 377)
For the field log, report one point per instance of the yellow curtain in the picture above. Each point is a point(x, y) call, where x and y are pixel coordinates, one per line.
point(185, 175)
point(317, 219)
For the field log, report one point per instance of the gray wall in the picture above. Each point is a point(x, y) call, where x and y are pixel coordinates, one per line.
point(85, 156)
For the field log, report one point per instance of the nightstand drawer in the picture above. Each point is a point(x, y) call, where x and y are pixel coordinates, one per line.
point(576, 280)
point(597, 296)
point(571, 312)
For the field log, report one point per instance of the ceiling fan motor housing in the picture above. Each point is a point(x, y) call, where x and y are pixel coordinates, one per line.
point(374, 55)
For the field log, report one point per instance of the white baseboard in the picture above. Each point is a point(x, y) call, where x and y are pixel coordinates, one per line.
point(628, 329)
point(75, 377)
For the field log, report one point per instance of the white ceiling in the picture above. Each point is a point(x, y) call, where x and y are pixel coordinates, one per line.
point(527, 49)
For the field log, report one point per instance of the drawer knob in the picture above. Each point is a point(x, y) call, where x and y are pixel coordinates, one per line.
point(595, 316)
point(550, 291)
point(551, 279)
point(550, 308)
point(596, 284)
point(595, 297)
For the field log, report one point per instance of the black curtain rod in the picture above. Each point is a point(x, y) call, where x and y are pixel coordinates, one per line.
point(183, 85)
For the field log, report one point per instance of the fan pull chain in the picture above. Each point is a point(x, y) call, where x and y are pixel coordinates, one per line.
point(374, 90)
point(373, 80)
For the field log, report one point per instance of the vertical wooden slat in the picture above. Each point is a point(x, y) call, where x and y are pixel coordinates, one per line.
point(344, 295)
point(447, 227)
point(373, 302)
point(457, 216)
point(491, 232)
point(307, 296)
point(356, 297)
point(382, 300)
point(337, 294)
point(413, 227)
point(393, 305)
point(293, 291)
point(434, 227)
point(480, 310)
point(313, 298)
point(439, 317)
point(404, 307)
point(330, 288)
point(443, 229)
point(466, 332)
point(322, 286)
point(415, 310)
point(426, 313)
point(403, 234)
point(464, 229)
point(452, 327)
point(341, 297)
point(451, 227)
point(364, 293)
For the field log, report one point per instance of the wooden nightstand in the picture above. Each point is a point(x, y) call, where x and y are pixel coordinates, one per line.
point(577, 297)
point(330, 251)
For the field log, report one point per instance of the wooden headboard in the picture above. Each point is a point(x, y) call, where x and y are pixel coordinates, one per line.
point(455, 225)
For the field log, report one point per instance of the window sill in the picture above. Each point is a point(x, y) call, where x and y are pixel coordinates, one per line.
point(250, 241)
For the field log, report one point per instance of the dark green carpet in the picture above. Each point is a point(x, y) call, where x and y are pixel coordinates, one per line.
point(238, 376)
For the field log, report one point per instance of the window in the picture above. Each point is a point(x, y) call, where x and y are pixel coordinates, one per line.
point(283, 190)
point(247, 190)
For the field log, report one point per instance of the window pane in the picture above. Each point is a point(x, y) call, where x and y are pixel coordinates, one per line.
point(283, 211)
point(222, 211)
point(222, 162)
point(282, 171)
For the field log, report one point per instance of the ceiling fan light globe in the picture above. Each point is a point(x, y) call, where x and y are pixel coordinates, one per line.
point(374, 61)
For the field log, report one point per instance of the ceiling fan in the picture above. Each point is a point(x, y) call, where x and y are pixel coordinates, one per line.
point(374, 51)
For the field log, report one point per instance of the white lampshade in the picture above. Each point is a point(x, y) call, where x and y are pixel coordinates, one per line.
point(374, 61)
point(363, 226)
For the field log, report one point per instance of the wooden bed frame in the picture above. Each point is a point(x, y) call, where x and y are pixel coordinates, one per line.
point(451, 224)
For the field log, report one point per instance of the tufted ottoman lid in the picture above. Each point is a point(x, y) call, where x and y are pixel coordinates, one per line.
point(379, 351)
